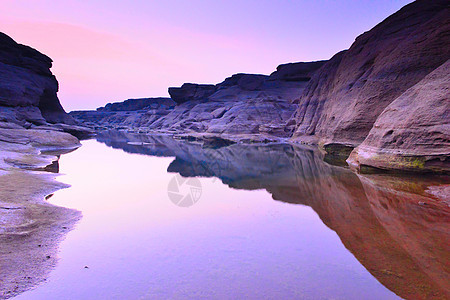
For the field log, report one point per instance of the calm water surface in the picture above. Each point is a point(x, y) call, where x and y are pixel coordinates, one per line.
point(236, 241)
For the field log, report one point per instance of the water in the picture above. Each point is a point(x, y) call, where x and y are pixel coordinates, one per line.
point(322, 238)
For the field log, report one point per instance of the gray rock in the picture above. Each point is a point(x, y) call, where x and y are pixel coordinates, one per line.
point(301, 71)
point(191, 92)
point(139, 104)
point(26, 83)
point(241, 107)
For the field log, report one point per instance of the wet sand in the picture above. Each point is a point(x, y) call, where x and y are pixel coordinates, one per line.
point(30, 228)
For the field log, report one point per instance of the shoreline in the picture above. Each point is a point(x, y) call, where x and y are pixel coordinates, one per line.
point(31, 228)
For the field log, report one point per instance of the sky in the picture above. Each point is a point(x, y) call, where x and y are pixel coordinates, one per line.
point(110, 50)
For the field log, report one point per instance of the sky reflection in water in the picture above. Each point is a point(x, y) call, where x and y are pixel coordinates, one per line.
point(238, 241)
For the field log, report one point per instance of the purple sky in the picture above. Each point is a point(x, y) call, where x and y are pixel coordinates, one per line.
point(106, 51)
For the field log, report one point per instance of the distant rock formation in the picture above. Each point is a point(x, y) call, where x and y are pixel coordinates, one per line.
point(139, 104)
point(300, 71)
point(191, 92)
point(125, 115)
point(243, 106)
point(343, 100)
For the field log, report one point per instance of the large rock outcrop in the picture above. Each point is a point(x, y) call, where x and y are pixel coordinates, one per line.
point(243, 106)
point(343, 100)
point(27, 86)
point(28, 90)
point(413, 132)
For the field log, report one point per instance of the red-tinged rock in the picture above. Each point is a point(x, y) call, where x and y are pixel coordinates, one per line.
point(413, 132)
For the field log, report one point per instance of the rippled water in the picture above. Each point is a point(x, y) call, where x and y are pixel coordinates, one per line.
point(260, 222)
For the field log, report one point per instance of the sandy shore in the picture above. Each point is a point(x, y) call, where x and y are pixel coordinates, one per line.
point(31, 228)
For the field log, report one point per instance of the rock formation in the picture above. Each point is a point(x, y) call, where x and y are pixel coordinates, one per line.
point(242, 107)
point(32, 121)
point(28, 92)
point(191, 92)
point(139, 104)
point(343, 100)
point(413, 132)
point(27, 86)
point(300, 71)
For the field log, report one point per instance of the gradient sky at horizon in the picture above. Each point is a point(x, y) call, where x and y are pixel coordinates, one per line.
point(107, 51)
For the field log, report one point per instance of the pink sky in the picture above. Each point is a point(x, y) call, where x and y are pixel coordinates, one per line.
point(107, 51)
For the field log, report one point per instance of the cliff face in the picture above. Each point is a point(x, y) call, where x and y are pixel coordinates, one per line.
point(413, 132)
point(343, 100)
point(27, 86)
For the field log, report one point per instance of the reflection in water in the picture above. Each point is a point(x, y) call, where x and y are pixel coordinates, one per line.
point(395, 228)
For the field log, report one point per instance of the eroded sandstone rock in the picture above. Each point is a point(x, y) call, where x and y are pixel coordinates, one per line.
point(242, 107)
point(413, 132)
point(299, 71)
point(27, 84)
point(345, 97)
point(191, 91)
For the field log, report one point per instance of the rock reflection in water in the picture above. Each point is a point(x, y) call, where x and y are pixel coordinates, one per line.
point(392, 226)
